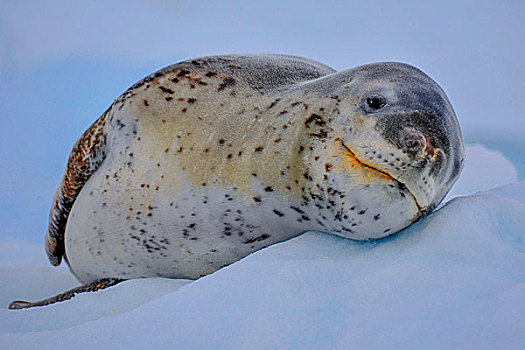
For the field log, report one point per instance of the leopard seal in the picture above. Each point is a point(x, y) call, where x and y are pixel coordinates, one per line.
point(208, 160)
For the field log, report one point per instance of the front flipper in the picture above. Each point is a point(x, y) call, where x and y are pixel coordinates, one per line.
point(90, 287)
point(85, 158)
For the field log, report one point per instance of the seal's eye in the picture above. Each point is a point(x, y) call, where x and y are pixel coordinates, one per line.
point(375, 103)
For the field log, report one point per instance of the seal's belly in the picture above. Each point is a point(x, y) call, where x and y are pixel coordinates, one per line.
point(124, 227)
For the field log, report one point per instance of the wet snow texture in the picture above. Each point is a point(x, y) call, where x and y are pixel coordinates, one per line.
point(455, 280)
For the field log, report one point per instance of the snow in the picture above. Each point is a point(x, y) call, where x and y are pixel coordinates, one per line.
point(455, 280)
point(484, 169)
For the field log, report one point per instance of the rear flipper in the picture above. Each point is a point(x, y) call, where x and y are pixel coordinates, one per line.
point(90, 287)
point(85, 158)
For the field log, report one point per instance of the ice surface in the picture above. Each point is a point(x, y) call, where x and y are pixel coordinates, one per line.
point(484, 169)
point(455, 280)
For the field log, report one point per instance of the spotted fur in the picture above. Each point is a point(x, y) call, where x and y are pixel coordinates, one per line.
point(205, 161)
point(86, 156)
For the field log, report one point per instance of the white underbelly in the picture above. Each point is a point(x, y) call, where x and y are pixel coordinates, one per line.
point(123, 229)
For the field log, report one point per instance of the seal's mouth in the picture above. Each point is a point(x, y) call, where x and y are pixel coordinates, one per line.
point(384, 174)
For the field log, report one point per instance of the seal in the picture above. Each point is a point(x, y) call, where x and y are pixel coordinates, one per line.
point(208, 160)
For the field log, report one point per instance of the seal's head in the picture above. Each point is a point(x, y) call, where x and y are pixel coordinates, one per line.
point(402, 147)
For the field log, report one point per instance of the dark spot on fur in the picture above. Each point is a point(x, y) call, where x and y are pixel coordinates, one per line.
point(297, 210)
point(273, 104)
point(257, 239)
point(226, 82)
point(257, 199)
point(166, 90)
point(321, 134)
point(258, 149)
point(210, 74)
point(146, 103)
point(120, 124)
point(192, 100)
point(316, 118)
point(278, 213)
point(183, 73)
point(268, 189)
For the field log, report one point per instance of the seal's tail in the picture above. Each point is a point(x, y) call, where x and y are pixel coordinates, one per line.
point(90, 287)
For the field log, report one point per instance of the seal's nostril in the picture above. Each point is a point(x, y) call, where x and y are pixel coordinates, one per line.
point(413, 142)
